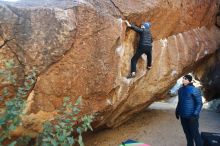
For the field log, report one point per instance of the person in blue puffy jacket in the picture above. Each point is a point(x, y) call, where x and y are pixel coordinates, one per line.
point(188, 109)
point(144, 46)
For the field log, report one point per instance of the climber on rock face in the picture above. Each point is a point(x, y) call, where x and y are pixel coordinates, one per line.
point(144, 46)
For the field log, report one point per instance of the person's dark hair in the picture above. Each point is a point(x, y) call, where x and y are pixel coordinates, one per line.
point(188, 77)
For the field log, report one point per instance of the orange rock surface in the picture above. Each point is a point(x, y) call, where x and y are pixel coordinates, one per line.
point(83, 48)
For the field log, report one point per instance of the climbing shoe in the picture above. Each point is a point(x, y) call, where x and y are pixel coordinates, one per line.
point(131, 75)
point(149, 67)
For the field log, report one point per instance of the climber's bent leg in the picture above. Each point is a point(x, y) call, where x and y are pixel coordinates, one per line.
point(149, 57)
point(134, 60)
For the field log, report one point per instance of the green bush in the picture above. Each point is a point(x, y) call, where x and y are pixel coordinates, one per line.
point(64, 130)
point(11, 118)
point(61, 131)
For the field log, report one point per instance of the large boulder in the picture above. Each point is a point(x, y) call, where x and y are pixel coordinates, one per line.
point(209, 75)
point(83, 48)
point(218, 14)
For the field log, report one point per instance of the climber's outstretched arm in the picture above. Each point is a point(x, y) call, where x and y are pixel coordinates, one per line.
point(132, 26)
point(128, 24)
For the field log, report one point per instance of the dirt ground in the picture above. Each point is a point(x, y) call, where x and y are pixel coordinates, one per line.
point(156, 126)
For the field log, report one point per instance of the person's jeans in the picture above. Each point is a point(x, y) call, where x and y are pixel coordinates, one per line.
point(141, 50)
point(191, 130)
